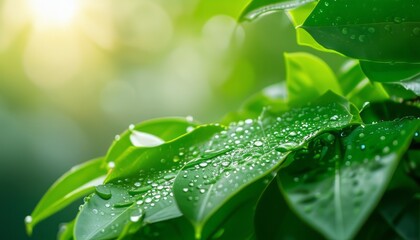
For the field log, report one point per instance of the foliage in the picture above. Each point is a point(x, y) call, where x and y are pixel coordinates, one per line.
point(323, 155)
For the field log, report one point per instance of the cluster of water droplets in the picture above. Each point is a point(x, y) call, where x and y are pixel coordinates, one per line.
point(321, 176)
point(252, 148)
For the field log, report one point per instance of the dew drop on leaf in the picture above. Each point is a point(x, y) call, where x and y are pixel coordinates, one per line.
point(28, 219)
point(136, 215)
point(258, 143)
point(103, 192)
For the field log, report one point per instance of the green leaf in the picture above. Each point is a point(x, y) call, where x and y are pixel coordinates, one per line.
point(403, 74)
point(335, 185)
point(390, 72)
point(401, 209)
point(248, 151)
point(349, 76)
point(272, 97)
point(76, 183)
point(165, 129)
point(258, 8)
point(388, 111)
point(178, 228)
point(275, 220)
point(308, 77)
point(140, 193)
point(66, 231)
point(368, 30)
point(297, 17)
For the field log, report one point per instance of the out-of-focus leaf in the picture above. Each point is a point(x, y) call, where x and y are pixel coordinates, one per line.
point(143, 193)
point(272, 97)
point(66, 231)
point(165, 129)
point(76, 183)
point(258, 8)
point(401, 209)
point(349, 76)
point(336, 184)
point(274, 219)
point(368, 30)
point(178, 228)
point(367, 91)
point(412, 162)
point(308, 77)
point(247, 152)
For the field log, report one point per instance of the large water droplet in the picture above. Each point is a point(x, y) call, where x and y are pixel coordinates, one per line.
point(142, 139)
point(136, 215)
point(111, 165)
point(103, 191)
point(28, 219)
point(139, 190)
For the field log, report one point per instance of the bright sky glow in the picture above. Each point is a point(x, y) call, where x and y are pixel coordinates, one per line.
point(53, 13)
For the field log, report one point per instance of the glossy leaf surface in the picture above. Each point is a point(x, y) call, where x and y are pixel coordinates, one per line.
point(165, 129)
point(308, 77)
point(76, 183)
point(247, 152)
point(258, 8)
point(141, 195)
point(368, 30)
point(336, 184)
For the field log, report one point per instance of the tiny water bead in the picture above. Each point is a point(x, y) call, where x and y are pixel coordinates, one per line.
point(28, 219)
point(363, 147)
point(334, 118)
point(189, 118)
point(117, 137)
point(258, 143)
point(111, 165)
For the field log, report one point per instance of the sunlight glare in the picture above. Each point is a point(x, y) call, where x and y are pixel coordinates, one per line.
point(53, 13)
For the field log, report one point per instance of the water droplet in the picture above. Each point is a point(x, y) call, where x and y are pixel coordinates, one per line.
point(185, 189)
point(225, 164)
point(142, 139)
point(176, 159)
point(292, 134)
point(123, 204)
point(385, 150)
point(136, 215)
point(95, 211)
point(371, 29)
point(239, 129)
point(139, 202)
point(107, 205)
point(139, 190)
point(248, 121)
point(190, 128)
point(334, 118)
point(202, 190)
point(203, 164)
point(111, 165)
point(344, 31)
point(103, 192)
point(258, 143)
point(189, 118)
point(326, 4)
point(131, 127)
point(416, 31)
point(416, 134)
point(169, 176)
point(382, 138)
point(361, 135)
point(363, 147)
point(28, 219)
point(362, 38)
point(117, 137)
point(137, 184)
point(148, 200)
point(397, 20)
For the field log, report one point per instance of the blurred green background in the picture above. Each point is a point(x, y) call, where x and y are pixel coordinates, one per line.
point(74, 73)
